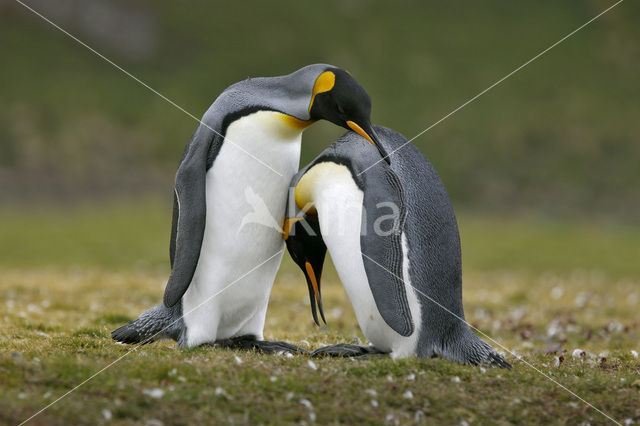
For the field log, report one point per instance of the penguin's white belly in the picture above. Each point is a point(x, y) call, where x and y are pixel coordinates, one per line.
point(339, 205)
point(242, 246)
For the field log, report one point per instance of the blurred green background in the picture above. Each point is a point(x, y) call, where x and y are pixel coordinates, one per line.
point(87, 155)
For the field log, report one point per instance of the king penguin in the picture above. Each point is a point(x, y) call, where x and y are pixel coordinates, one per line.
point(248, 142)
point(393, 237)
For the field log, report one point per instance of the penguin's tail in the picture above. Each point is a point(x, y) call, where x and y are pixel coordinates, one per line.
point(467, 348)
point(154, 324)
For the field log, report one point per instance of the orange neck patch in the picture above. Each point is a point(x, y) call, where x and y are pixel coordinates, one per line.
point(296, 123)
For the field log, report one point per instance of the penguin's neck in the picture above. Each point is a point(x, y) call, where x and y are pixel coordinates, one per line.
point(318, 182)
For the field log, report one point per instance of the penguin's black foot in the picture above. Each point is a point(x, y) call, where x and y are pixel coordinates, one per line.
point(346, 350)
point(265, 346)
point(496, 360)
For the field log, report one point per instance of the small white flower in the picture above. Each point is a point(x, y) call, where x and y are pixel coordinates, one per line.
point(182, 379)
point(219, 391)
point(455, 379)
point(408, 395)
point(288, 354)
point(173, 372)
point(312, 365)
point(615, 327)
point(372, 392)
point(306, 403)
point(106, 414)
point(411, 377)
point(557, 292)
point(634, 354)
point(578, 353)
point(289, 396)
point(47, 394)
point(483, 370)
point(273, 379)
point(312, 416)
point(374, 403)
point(22, 395)
point(156, 393)
point(237, 359)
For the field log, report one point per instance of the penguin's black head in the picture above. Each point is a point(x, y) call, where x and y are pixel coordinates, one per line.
point(307, 249)
point(337, 97)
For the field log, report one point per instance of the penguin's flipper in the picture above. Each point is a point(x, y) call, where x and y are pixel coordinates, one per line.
point(381, 244)
point(189, 213)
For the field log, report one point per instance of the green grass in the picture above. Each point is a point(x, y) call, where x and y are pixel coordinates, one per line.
point(541, 288)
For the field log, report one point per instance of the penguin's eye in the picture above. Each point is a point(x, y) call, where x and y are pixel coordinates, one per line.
point(340, 110)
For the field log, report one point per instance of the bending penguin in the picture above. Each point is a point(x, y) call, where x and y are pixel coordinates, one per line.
point(393, 237)
point(242, 155)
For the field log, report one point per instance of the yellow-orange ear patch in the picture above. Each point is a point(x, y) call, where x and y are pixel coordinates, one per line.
point(324, 83)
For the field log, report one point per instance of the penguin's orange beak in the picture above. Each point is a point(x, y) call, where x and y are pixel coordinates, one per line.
point(369, 135)
point(313, 281)
point(356, 128)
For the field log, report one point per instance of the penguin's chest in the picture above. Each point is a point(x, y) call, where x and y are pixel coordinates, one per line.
point(246, 193)
point(246, 187)
point(340, 214)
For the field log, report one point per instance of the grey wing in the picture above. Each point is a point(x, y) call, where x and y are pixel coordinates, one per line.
point(189, 212)
point(381, 246)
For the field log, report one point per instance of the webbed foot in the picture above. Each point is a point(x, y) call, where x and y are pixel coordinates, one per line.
point(265, 346)
point(347, 350)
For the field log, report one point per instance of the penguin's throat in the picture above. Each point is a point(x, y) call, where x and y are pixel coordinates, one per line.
point(295, 123)
point(316, 181)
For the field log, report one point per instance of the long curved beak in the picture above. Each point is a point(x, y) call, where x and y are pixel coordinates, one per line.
point(367, 132)
point(313, 282)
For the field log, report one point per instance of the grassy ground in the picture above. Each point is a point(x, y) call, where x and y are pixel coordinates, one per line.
point(541, 288)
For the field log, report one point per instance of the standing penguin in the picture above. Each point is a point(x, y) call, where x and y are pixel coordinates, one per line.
point(247, 146)
point(393, 237)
